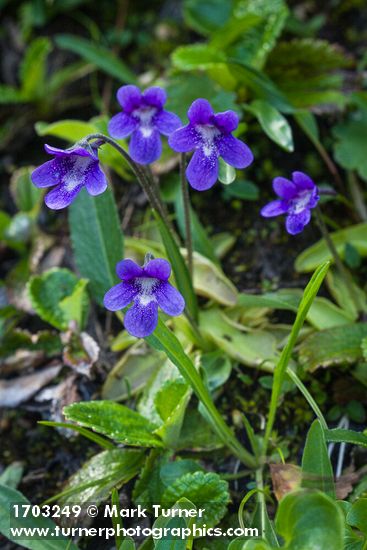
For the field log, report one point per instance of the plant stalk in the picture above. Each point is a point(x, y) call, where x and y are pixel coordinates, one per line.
point(186, 207)
point(357, 196)
point(344, 273)
point(139, 173)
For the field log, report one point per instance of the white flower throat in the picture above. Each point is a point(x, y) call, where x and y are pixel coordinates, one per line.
point(145, 116)
point(76, 173)
point(146, 286)
point(301, 201)
point(208, 133)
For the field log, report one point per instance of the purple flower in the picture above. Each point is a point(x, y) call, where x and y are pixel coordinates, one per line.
point(145, 119)
point(147, 288)
point(297, 197)
point(210, 136)
point(68, 172)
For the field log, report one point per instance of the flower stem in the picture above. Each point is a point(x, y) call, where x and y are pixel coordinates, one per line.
point(357, 196)
point(186, 207)
point(306, 394)
point(139, 173)
point(156, 191)
point(344, 273)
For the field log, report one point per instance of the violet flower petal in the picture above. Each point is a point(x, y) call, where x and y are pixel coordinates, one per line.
point(202, 171)
point(184, 139)
point(69, 153)
point(274, 208)
point(56, 151)
point(200, 112)
point(234, 152)
point(122, 125)
point(47, 174)
point(158, 268)
point(314, 198)
point(61, 196)
point(295, 223)
point(128, 269)
point(129, 97)
point(155, 96)
point(140, 321)
point(285, 189)
point(302, 181)
point(95, 180)
point(169, 299)
point(145, 145)
point(226, 122)
point(120, 296)
point(166, 122)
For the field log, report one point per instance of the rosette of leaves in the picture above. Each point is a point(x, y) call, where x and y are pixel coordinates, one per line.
point(308, 71)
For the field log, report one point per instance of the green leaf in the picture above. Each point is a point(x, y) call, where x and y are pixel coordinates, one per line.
point(241, 189)
point(197, 56)
point(274, 124)
point(310, 520)
point(8, 498)
point(317, 471)
point(251, 348)
point(27, 196)
point(131, 373)
point(322, 314)
point(12, 475)
point(355, 235)
point(242, 543)
point(341, 292)
point(115, 421)
point(206, 16)
point(210, 281)
point(257, 24)
point(99, 475)
point(308, 71)
point(164, 374)
point(357, 515)
point(169, 396)
point(59, 297)
point(339, 435)
point(171, 471)
point(197, 434)
point(281, 368)
point(10, 95)
point(171, 402)
point(33, 68)
point(260, 85)
point(217, 368)
point(172, 524)
point(335, 346)
point(352, 258)
point(96, 239)
point(101, 57)
point(149, 488)
point(164, 340)
point(70, 130)
point(127, 544)
point(180, 270)
point(204, 490)
point(74, 307)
